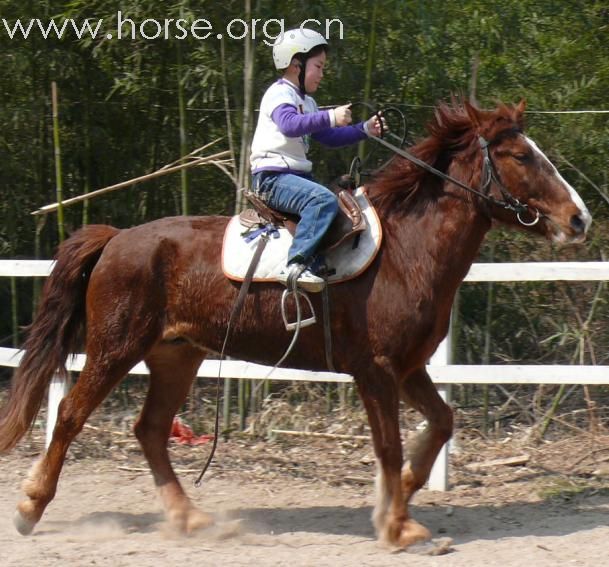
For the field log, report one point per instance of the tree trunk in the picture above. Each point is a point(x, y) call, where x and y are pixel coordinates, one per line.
point(369, 68)
point(58, 176)
point(183, 141)
point(248, 112)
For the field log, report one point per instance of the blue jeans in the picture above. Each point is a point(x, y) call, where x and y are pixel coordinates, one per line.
point(316, 205)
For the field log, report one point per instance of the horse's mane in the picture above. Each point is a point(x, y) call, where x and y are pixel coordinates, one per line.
point(452, 134)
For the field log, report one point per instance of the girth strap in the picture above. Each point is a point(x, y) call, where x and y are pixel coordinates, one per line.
point(325, 297)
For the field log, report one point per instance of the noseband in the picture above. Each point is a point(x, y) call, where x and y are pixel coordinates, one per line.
point(489, 176)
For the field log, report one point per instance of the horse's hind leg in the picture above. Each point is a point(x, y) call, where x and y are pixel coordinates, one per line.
point(95, 382)
point(419, 392)
point(173, 368)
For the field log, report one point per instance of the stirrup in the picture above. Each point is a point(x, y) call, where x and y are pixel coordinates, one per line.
point(303, 322)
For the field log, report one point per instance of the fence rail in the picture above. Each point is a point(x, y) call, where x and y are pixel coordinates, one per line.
point(442, 372)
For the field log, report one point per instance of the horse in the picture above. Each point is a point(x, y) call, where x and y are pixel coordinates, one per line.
point(156, 292)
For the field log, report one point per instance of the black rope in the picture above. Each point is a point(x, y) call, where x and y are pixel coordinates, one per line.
point(380, 113)
point(489, 173)
point(509, 202)
point(249, 276)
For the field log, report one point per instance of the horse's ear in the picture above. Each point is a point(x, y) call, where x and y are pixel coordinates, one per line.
point(521, 106)
point(472, 112)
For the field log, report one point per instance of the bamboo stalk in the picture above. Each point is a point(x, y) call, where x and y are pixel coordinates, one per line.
point(147, 470)
point(486, 357)
point(37, 282)
point(369, 69)
point(88, 155)
point(182, 127)
point(255, 386)
point(241, 397)
point(342, 396)
point(266, 389)
point(249, 58)
point(211, 160)
point(14, 312)
point(329, 402)
point(506, 462)
point(229, 125)
point(226, 404)
point(247, 392)
point(242, 174)
point(552, 411)
point(317, 434)
point(591, 404)
point(58, 176)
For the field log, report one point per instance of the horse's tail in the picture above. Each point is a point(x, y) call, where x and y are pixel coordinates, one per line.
point(56, 331)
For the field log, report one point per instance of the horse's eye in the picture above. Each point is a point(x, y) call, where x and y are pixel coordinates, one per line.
point(522, 158)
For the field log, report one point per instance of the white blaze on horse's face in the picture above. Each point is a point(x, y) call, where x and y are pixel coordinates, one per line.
point(568, 215)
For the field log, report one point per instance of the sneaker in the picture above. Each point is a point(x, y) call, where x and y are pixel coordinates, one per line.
point(302, 276)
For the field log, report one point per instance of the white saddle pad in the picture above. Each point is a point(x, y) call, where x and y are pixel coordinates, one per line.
point(347, 261)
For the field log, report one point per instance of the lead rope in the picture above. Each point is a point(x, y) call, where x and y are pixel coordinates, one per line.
point(249, 276)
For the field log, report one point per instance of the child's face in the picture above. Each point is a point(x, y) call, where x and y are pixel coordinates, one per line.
point(314, 72)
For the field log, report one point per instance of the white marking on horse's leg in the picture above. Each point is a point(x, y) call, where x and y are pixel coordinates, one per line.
point(26, 515)
point(31, 484)
point(383, 499)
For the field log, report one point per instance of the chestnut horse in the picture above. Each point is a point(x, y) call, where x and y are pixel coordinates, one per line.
point(157, 293)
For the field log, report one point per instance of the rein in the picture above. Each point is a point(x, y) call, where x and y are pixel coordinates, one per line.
point(489, 175)
point(236, 311)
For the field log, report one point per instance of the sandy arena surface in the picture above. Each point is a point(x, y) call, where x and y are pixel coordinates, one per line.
point(288, 504)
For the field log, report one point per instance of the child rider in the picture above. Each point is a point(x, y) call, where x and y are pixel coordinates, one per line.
point(289, 118)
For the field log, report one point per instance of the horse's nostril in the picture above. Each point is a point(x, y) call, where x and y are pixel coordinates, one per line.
point(578, 224)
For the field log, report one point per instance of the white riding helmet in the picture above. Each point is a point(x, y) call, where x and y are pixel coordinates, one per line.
point(291, 42)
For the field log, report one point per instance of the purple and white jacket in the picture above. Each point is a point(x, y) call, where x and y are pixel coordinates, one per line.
point(286, 123)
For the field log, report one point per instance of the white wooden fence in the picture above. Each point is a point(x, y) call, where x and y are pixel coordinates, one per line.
point(442, 372)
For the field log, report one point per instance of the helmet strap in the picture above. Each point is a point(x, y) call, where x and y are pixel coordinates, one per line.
point(302, 57)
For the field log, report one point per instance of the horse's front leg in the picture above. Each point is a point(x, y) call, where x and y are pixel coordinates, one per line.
point(419, 392)
point(392, 521)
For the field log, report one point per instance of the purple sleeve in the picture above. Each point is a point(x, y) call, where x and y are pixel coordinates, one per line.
point(292, 124)
point(342, 136)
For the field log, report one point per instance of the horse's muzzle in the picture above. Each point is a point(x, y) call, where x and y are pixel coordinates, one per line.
point(579, 224)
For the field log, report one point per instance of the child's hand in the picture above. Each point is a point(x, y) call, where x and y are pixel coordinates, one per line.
point(373, 125)
point(342, 114)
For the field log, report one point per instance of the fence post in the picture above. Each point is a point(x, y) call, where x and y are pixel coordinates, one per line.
point(58, 388)
point(438, 478)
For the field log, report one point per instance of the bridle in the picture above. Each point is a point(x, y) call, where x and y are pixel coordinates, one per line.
point(489, 176)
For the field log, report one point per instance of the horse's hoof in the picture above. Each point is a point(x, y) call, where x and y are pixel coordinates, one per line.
point(406, 533)
point(198, 520)
point(188, 521)
point(439, 546)
point(23, 525)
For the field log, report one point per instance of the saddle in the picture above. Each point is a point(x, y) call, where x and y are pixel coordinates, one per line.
point(349, 221)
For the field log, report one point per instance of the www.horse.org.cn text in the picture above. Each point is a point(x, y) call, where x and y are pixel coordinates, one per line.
point(123, 27)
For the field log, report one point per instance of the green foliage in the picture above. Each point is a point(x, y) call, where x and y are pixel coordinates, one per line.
point(119, 119)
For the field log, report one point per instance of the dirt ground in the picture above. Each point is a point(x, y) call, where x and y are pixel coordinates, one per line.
point(308, 501)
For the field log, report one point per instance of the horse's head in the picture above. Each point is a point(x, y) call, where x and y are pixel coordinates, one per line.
point(519, 169)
